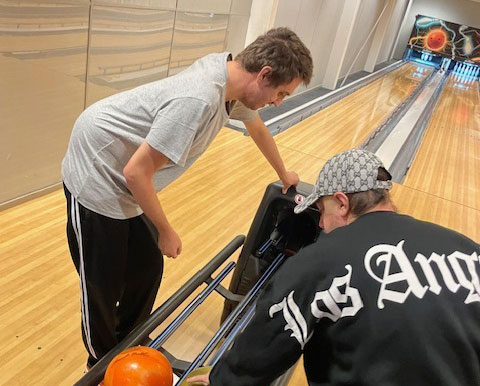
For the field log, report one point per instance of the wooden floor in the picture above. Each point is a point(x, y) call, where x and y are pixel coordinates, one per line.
point(451, 148)
point(210, 204)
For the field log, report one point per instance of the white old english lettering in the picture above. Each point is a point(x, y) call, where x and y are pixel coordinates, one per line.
point(453, 274)
point(294, 318)
point(385, 253)
point(473, 285)
point(332, 298)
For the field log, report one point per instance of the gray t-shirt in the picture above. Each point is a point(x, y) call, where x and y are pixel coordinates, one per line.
point(179, 116)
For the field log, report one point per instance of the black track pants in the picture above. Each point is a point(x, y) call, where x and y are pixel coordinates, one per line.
point(120, 269)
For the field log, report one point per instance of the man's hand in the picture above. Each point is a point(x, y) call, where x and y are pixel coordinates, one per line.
point(169, 242)
point(290, 179)
point(199, 379)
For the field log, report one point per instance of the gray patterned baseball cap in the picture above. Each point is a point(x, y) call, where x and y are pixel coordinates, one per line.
point(351, 171)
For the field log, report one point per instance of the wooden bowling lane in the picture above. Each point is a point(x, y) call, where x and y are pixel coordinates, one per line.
point(441, 211)
point(447, 163)
point(349, 121)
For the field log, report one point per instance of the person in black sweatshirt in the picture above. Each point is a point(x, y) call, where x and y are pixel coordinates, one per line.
point(380, 298)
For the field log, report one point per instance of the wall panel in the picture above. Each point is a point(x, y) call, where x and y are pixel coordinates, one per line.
point(367, 16)
point(128, 47)
point(43, 52)
point(323, 38)
point(237, 30)
point(196, 35)
point(316, 22)
point(393, 31)
point(151, 4)
point(211, 6)
point(304, 21)
point(241, 7)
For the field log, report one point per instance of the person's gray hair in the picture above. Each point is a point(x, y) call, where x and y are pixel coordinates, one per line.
point(362, 202)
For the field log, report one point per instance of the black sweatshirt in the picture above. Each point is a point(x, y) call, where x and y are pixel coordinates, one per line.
point(386, 300)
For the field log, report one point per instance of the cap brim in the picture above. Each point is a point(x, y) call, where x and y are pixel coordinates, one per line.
point(309, 200)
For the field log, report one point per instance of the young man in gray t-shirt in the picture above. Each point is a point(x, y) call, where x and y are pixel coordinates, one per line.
point(125, 148)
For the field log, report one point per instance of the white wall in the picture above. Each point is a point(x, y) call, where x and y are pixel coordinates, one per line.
point(262, 16)
point(315, 23)
point(393, 30)
point(367, 16)
point(455, 11)
point(324, 37)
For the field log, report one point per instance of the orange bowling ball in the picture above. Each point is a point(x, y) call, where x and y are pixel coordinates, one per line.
point(139, 366)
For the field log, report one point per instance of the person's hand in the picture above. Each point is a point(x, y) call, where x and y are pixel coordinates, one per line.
point(202, 379)
point(169, 242)
point(290, 179)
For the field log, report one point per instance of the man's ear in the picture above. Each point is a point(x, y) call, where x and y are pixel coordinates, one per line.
point(264, 74)
point(343, 203)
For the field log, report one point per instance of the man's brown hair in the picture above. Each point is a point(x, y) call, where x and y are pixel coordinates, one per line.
point(282, 50)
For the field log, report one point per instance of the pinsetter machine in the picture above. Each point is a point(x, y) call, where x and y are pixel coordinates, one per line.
point(275, 235)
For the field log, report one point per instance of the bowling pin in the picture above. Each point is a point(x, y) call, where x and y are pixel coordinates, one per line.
point(472, 77)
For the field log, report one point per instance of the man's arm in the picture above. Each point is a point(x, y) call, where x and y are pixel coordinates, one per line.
point(274, 339)
point(264, 141)
point(139, 173)
point(263, 351)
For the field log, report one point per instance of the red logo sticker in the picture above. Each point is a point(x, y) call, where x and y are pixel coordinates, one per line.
point(299, 199)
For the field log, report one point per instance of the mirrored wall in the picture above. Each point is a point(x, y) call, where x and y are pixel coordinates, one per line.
point(58, 57)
